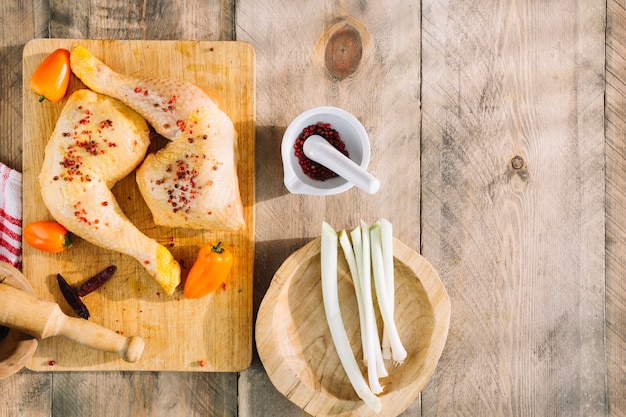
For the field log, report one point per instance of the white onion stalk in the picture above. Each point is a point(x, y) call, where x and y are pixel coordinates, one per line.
point(369, 331)
point(348, 253)
point(330, 297)
point(386, 231)
point(386, 310)
point(360, 242)
point(367, 337)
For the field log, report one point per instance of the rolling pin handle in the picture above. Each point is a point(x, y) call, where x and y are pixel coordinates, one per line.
point(42, 319)
point(97, 337)
point(134, 349)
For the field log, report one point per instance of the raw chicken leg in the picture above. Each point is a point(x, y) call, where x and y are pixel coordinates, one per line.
point(191, 182)
point(96, 142)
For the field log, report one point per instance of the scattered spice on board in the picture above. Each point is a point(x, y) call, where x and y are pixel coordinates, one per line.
point(311, 168)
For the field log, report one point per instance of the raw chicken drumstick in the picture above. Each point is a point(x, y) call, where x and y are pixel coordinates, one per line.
point(192, 182)
point(96, 142)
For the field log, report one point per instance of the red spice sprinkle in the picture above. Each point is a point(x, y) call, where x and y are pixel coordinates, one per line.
point(137, 90)
point(201, 363)
point(180, 124)
point(158, 294)
point(66, 134)
point(223, 286)
point(105, 203)
point(106, 123)
point(51, 363)
point(146, 262)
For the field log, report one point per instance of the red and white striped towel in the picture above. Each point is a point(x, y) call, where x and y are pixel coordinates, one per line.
point(10, 216)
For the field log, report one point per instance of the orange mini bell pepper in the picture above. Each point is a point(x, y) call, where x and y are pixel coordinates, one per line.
point(52, 77)
point(209, 272)
point(47, 236)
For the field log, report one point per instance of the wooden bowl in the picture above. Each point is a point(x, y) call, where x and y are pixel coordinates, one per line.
point(16, 348)
point(296, 348)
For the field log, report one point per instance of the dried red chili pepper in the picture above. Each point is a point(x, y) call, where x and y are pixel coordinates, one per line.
point(96, 281)
point(72, 298)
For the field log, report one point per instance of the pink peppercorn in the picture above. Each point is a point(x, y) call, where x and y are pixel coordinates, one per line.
point(310, 167)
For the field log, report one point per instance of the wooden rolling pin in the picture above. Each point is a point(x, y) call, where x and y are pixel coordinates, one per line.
point(41, 319)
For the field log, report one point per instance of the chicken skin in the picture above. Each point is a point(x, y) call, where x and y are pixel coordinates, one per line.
point(192, 182)
point(96, 142)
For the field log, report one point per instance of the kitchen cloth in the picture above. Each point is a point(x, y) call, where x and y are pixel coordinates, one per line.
point(10, 216)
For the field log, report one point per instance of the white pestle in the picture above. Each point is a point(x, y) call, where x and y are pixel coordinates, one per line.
point(321, 151)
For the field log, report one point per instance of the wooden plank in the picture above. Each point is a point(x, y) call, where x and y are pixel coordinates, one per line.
point(615, 131)
point(158, 394)
point(513, 192)
point(17, 26)
point(383, 92)
point(154, 20)
point(25, 393)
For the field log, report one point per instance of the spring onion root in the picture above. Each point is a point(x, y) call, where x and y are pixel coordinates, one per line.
point(335, 322)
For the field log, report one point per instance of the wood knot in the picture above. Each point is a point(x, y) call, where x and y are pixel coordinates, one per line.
point(344, 50)
point(517, 162)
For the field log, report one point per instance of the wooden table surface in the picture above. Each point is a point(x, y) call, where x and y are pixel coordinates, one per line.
point(498, 132)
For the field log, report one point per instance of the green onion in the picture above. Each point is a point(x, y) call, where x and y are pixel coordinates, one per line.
point(338, 333)
point(348, 253)
point(386, 231)
point(384, 305)
point(360, 242)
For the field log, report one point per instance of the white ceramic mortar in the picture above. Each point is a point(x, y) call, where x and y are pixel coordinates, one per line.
point(350, 130)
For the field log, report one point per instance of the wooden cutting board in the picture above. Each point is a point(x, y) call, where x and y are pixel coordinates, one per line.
point(213, 333)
